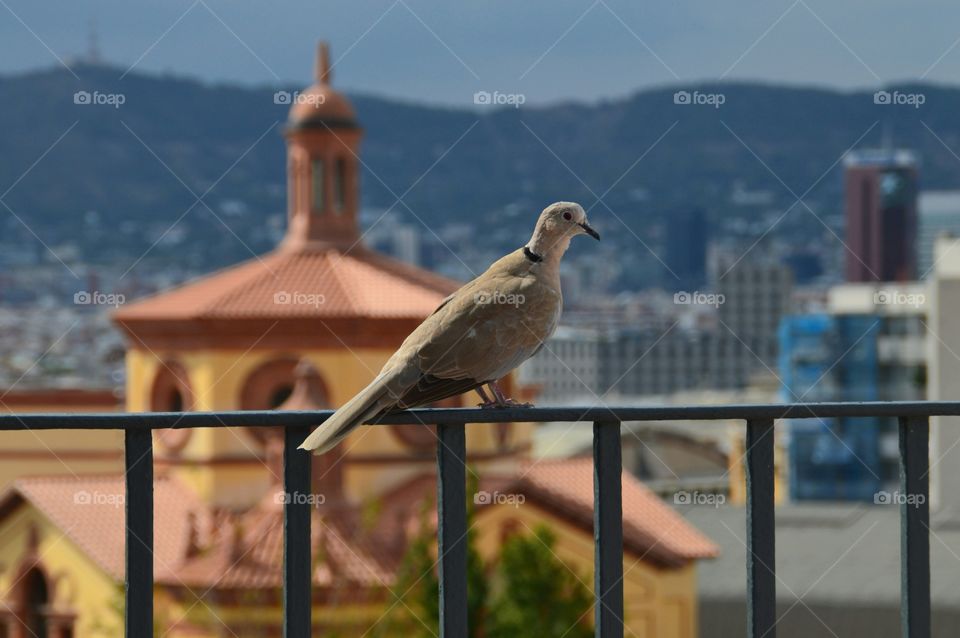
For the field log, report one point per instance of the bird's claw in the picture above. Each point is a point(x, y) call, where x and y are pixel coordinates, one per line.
point(506, 403)
point(510, 403)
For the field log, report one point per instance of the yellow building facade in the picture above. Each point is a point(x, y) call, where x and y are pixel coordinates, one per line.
point(49, 452)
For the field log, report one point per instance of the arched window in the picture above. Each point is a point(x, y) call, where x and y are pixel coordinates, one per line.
point(280, 394)
point(171, 392)
point(317, 172)
point(340, 185)
point(268, 386)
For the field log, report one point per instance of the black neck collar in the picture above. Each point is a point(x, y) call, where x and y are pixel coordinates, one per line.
point(532, 256)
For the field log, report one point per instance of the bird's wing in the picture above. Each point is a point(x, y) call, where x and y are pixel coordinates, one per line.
point(487, 328)
point(430, 389)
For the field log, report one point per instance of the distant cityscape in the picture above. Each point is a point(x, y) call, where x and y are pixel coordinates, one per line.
point(736, 318)
point(869, 338)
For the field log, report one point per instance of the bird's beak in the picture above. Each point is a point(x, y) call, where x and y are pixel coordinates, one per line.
point(589, 230)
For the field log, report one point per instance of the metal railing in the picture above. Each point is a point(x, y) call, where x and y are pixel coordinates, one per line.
point(451, 503)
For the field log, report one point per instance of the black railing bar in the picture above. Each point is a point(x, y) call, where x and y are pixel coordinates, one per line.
point(297, 547)
point(138, 599)
point(608, 530)
point(452, 529)
point(761, 530)
point(452, 416)
point(915, 528)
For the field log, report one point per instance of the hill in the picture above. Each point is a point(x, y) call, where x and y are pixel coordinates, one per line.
point(195, 173)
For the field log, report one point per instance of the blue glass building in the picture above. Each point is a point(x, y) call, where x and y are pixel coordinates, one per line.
point(832, 358)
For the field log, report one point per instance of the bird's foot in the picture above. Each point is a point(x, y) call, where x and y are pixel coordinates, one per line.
point(500, 400)
point(507, 402)
point(487, 401)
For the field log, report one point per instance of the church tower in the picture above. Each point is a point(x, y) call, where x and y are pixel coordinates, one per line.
point(323, 145)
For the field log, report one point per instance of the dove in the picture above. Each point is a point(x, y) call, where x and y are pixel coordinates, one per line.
point(476, 336)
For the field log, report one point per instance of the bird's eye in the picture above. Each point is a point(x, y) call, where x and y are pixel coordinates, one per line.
point(567, 216)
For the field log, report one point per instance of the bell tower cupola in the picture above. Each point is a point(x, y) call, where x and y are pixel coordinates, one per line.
point(323, 143)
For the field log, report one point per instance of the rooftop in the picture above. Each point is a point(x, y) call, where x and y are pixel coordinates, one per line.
point(303, 284)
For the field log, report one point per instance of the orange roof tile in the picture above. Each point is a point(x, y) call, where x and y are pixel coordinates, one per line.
point(235, 550)
point(196, 546)
point(650, 527)
point(303, 284)
point(90, 512)
point(247, 553)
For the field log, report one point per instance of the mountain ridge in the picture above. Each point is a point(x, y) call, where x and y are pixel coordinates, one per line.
point(112, 180)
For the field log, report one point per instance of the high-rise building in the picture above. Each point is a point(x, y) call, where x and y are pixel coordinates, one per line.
point(938, 214)
point(943, 384)
point(867, 346)
point(755, 295)
point(881, 214)
point(686, 248)
point(736, 341)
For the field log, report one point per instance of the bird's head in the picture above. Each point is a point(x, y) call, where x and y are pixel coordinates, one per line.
point(566, 218)
point(558, 223)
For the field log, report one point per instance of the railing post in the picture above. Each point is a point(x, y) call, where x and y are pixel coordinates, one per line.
point(607, 530)
point(138, 457)
point(914, 528)
point(297, 557)
point(452, 529)
point(761, 547)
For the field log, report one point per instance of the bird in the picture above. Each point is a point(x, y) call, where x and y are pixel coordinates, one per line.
point(476, 336)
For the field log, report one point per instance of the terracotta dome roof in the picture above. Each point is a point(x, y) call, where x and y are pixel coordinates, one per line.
point(315, 284)
point(320, 104)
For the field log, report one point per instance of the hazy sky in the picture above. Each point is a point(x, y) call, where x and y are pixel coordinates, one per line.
point(443, 51)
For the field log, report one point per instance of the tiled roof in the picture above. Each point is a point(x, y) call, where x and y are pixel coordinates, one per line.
point(246, 552)
point(195, 546)
point(308, 283)
point(650, 528)
point(90, 512)
point(198, 547)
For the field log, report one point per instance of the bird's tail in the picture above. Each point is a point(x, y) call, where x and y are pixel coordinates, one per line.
point(361, 408)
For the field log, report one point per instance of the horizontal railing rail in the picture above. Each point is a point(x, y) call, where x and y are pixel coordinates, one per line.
point(451, 503)
point(444, 416)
